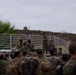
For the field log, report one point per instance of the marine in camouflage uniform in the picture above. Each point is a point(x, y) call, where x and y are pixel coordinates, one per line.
point(2, 65)
point(54, 60)
point(59, 69)
point(70, 67)
point(38, 69)
point(17, 63)
point(30, 46)
point(24, 47)
point(26, 64)
point(51, 46)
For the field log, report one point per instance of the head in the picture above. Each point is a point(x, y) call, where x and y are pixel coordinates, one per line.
point(39, 52)
point(60, 50)
point(7, 55)
point(18, 54)
point(29, 41)
point(72, 49)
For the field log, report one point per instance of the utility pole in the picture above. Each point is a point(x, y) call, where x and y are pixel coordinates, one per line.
point(29, 27)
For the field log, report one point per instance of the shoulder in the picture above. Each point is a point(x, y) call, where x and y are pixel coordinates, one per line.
point(58, 67)
point(69, 67)
point(53, 58)
point(3, 62)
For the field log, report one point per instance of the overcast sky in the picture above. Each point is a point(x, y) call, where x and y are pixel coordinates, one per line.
point(49, 15)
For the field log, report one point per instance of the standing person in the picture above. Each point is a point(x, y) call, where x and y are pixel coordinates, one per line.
point(25, 47)
point(45, 42)
point(30, 46)
point(60, 51)
point(7, 57)
point(18, 57)
point(70, 67)
point(26, 64)
point(14, 67)
point(21, 42)
point(54, 60)
point(51, 46)
point(3, 63)
point(59, 69)
point(43, 66)
point(14, 47)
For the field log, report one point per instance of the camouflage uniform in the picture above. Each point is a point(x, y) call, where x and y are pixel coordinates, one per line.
point(59, 69)
point(2, 66)
point(55, 62)
point(16, 60)
point(70, 67)
point(30, 47)
point(26, 66)
point(37, 69)
point(17, 63)
point(33, 66)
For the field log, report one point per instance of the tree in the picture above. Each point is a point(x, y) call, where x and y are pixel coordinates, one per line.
point(5, 27)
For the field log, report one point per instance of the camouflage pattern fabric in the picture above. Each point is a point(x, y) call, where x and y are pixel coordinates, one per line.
point(70, 67)
point(43, 69)
point(2, 66)
point(55, 62)
point(14, 68)
point(30, 47)
point(26, 66)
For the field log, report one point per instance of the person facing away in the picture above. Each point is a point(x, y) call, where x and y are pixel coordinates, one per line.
point(42, 65)
point(3, 64)
point(70, 67)
point(26, 64)
point(7, 57)
point(54, 60)
point(18, 56)
point(14, 67)
point(59, 69)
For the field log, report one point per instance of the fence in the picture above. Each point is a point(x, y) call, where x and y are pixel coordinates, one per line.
point(4, 41)
point(60, 43)
point(7, 40)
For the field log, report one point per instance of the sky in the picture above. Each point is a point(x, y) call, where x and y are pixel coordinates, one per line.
point(46, 15)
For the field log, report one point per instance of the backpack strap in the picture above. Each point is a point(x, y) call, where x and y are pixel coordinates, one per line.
point(61, 69)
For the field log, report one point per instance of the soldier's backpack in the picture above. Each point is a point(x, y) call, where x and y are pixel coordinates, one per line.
point(25, 66)
point(44, 67)
point(54, 61)
point(2, 66)
point(59, 69)
point(13, 69)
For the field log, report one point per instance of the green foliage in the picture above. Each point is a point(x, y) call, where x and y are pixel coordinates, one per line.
point(5, 27)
